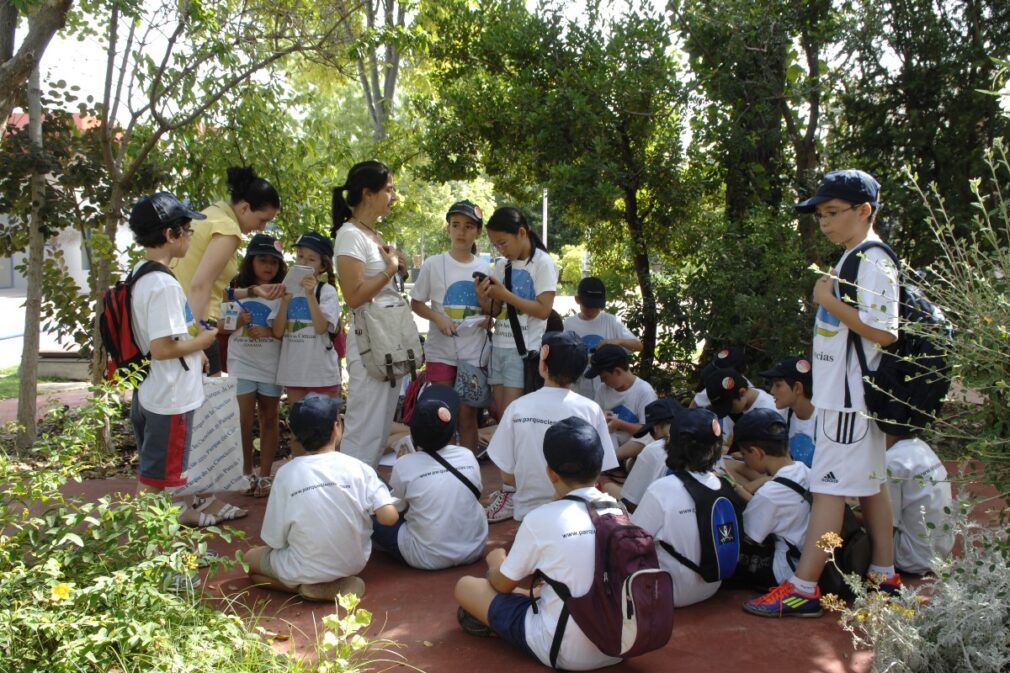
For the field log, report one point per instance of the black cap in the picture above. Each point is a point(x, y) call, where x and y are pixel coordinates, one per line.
point(262, 245)
point(700, 425)
point(792, 369)
point(312, 418)
point(851, 186)
point(723, 386)
point(656, 412)
point(313, 240)
point(606, 357)
point(469, 209)
point(567, 353)
point(758, 425)
point(160, 210)
point(573, 448)
point(730, 357)
point(433, 422)
point(591, 292)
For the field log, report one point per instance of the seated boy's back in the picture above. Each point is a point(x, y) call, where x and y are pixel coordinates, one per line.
point(920, 492)
point(778, 510)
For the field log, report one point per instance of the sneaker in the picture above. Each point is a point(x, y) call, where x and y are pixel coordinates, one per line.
point(500, 508)
point(785, 600)
point(891, 586)
point(472, 625)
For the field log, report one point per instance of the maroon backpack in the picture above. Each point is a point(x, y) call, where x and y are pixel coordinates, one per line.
point(628, 610)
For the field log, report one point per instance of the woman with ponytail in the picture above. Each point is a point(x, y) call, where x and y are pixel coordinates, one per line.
point(366, 266)
point(211, 261)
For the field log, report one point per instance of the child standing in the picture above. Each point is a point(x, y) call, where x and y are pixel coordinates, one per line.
point(448, 282)
point(253, 353)
point(522, 283)
point(596, 326)
point(317, 524)
point(623, 398)
point(850, 456)
point(444, 523)
point(308, 360)
point(162, 408)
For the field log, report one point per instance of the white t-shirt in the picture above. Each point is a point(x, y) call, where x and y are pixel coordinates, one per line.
point(449, 286)
point(318, 519)
point(667, 513)
point(877, 294)
point(445, 524)
point(778, 510)
point(517, 446)
point(255, 359)
point(603, 326)
point(308, 359)
point(530, 278)
point(920, 490)
point(801, 437)
point(764, 400)
point(649, 466)
point(559, 540)
point(628, 405)
point(354, 243)
point(159, 309)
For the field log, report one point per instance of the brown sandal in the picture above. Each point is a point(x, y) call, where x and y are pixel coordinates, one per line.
point(263, 485)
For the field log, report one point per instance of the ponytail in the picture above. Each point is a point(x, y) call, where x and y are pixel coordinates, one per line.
point(245, 185)
point(339, 210)
point(371, 175)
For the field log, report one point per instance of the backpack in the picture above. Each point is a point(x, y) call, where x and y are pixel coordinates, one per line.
point(628, 610)
point(338, 339)
point(913, 376)
point(388, 342)
point(116, 324)
point(718, 514)
point(852, 557)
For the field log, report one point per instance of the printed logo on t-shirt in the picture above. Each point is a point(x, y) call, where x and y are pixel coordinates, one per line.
point(258, 313)
point(460, 300)
point(190, 321)
point(625, 414)
point(591, 340)
point(299, 316)
point(829, 478)
point(801, 448)
point(827, 323)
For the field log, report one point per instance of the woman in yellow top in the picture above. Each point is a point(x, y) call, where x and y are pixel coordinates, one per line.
point(211, 261)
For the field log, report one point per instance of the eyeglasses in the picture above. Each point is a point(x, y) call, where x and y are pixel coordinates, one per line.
point(829, 214)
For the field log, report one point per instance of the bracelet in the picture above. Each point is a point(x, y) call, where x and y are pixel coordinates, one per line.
point(388, 275)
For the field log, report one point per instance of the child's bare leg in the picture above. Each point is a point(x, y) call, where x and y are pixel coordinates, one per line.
point(468, 426)
point(474, 594)
point(246, 411)
point(269, 433)
point(877, 518)
point(825, 517)
point(254, 557)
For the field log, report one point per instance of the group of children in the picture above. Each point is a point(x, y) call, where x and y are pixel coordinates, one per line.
point(592, 417)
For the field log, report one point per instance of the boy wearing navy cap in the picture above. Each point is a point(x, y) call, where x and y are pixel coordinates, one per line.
point(731, 395)
point(850, 456)
point(444, 524)
point(556, 539)
point(792, 387)
point(513, 448)
point(650, 465)
point(597, 327)
point(318, 521)
point(623, 397)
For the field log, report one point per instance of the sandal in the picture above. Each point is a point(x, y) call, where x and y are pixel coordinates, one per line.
point(217, 510)
point(263, 485)
point(251, 481)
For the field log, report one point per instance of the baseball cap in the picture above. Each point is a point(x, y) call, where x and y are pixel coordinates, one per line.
point(792, 368)
point(759, 425)
point(573, 448)
point(313, 240)
point(723, 386)
point(433, 423)
point(730, 357)
point(848, 185)
point(567, 353)
point(469, 209)
point(160, 210)
point(262, 245)
point(698, 424)
point(656, 412)
point(606, 357)
point(591, 292)
point(312, 418)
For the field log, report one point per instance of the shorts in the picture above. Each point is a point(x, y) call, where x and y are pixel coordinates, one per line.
point(849, 458)
point(245, 386)
point(323, 390)
point(506, 368)
point(267, 567)
point(386, 538)
point(163, 443)
point(507, 617)
point(440, 371)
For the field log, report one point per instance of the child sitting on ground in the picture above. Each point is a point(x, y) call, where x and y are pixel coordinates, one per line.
point(730, 357)
point(524, 422)
point(650, 465)
point(317, 525)
point(596, 327)
point(623, 397)
point(731, 395)
point(552, 539)
point(774, 509)
point(793, 387)
point(444, 524)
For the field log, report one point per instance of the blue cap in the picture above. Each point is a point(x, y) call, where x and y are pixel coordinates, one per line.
point(606, 357)
point(699, 424)
point(760, 425)
point(850, 185)
point(723, 386)
point(264, 245)
point(312, 418)
point(567, 353)
point(433, 423)
point(160, 210)
point(573, 448)
point(313, 240)
point(792, 368)
point(658, 411)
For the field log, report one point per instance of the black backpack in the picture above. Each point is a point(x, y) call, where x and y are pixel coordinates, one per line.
point(852, 557)
point(913, 376)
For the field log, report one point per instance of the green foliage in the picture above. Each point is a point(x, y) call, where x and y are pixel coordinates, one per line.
point(570, 268)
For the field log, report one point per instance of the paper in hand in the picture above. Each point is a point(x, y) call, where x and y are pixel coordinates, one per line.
point(293, 279)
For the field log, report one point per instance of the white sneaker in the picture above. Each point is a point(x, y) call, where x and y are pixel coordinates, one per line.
point(500, 508)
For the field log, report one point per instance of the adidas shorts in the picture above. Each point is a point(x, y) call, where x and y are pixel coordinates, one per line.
point(849, 455)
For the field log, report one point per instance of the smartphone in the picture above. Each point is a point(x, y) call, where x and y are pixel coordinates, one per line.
point(479, 277)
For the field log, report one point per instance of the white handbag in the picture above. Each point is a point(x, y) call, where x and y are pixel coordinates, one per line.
point(387, 339)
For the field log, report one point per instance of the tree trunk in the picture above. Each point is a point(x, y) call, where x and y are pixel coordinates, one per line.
point(643, 273)
point(8, 29)
point(28, 389)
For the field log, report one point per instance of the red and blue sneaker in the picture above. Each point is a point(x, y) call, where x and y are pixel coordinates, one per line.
point(785, 600)
point(891, 586)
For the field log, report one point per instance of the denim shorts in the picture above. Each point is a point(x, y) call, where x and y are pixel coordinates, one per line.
point(245, 386)
point(507, 617)
point(506, 368)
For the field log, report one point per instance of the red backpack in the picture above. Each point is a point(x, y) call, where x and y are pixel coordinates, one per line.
point(628, 610)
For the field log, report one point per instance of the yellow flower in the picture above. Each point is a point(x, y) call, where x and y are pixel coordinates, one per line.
point(832, 603)
point(60, 592)
point(829, 541)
